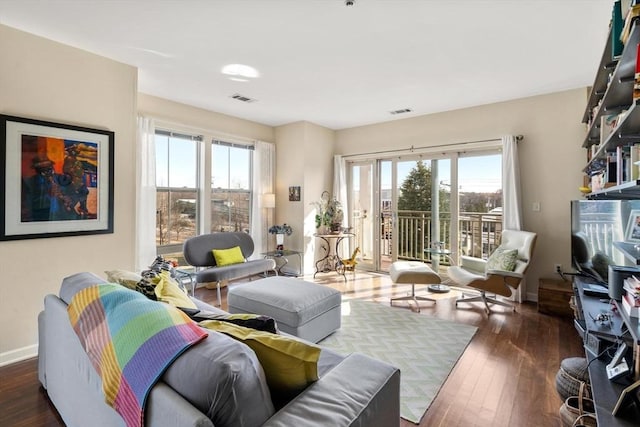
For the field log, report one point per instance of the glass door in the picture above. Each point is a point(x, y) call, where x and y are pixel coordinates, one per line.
point(423, 210)
point(362, 221)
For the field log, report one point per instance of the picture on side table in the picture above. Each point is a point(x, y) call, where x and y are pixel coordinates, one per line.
point(57, 179)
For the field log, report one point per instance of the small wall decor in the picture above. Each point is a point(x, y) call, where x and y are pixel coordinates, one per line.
point(294, 194)
point(57, 179)
point(632, 233)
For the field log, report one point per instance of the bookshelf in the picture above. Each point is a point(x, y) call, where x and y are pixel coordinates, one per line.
point(611, 102)
point(612, 94)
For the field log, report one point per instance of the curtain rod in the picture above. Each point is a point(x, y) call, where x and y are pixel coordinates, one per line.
point(412, 148)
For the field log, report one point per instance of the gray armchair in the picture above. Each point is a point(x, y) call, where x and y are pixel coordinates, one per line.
point(473, 272)
point(198, 253)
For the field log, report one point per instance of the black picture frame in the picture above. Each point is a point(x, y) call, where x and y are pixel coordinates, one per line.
point(294, 194)
point(57, 179)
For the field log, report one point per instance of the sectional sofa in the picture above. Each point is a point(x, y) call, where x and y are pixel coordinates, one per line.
point(217, 382)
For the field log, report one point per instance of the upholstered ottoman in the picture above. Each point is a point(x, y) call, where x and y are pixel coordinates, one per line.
point(413, 272)
point(300, 308)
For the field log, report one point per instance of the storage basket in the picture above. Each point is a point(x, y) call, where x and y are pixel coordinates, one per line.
point(578, 410)
point(573, 376)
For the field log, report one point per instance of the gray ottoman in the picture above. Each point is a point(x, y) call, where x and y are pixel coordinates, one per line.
point(300, 308)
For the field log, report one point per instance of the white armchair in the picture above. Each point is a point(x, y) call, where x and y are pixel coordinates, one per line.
point(473, 272)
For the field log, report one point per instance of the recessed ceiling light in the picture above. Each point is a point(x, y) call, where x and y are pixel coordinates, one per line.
point(240, 70)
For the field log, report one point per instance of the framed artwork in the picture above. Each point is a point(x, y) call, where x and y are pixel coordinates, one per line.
point(632, 233)
point(57, 179)
point(294, 194)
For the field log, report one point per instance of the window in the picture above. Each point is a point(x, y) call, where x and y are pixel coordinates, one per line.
point(182, 207)
point(230, 187)
point(176, 186)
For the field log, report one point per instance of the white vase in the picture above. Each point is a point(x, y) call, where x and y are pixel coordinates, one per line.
point(279, 241)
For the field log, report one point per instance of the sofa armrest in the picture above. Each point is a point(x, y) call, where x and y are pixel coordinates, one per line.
point(360, 391)
point(165, 407)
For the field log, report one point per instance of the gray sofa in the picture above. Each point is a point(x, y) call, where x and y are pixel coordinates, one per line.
point(217, 382)
point(197, 252)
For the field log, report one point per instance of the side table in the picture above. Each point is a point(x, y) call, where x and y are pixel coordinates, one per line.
point(331, 260)
point(438, 251)
point(281, 257)
point(554, 297)
point(186, 277)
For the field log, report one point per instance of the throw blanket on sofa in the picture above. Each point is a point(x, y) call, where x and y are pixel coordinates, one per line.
point(130, 340)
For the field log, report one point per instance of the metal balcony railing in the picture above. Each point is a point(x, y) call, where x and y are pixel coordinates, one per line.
point(478, 234)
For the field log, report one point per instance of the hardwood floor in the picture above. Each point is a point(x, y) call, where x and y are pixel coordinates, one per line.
point(506, 376)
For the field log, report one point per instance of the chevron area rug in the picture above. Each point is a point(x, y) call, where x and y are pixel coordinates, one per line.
point(424, 348)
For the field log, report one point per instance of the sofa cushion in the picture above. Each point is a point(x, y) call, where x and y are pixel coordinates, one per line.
point(223, 379)
point(502, 259)
point(228, 256)
point(290, 365)
point(167, 290)
point(128, 279)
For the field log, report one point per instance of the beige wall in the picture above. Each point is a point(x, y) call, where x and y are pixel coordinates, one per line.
point(551, 158)
point(203, 120)
point(45, 80)
point(304, 157)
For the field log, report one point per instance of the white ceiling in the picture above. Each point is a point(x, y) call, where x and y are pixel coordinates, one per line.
point(330, 64)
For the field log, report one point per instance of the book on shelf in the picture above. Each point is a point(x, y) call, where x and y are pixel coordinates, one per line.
point(608, 123)
point(634, 159)
point(629, 307)
point(617, 25)
point(631, 13)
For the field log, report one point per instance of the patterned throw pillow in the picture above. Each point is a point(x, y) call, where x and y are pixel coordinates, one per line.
point(502, 259)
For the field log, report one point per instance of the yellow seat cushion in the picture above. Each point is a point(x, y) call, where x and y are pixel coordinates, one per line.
point(290, 365)
point(228, 256)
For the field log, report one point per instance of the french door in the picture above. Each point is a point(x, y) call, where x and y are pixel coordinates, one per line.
point(402, 207)
point(391, 208)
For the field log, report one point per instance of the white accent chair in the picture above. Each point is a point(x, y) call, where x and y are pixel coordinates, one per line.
point(472, 272)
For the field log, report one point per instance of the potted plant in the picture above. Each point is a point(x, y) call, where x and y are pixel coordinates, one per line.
point(280, 231)
point(329, 214)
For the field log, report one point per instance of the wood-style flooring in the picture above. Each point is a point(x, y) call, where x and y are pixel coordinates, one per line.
point(506, 376)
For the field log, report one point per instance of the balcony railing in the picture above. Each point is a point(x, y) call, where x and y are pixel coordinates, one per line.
point(478, 234)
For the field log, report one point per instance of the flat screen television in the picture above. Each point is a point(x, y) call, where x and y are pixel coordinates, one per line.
point(595, 226)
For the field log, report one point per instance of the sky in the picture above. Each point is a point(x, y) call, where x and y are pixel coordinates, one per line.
point(479, 174)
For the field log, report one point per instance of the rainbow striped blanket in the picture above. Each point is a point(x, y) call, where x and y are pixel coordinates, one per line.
point(130, 340)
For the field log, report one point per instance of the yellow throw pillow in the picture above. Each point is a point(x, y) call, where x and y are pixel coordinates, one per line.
point(228, 256)
point(128, 279)
point(167, 290)
point(289, 365)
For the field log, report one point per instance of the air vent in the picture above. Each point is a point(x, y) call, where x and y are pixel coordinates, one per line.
point(242, 98)
point(402, 111)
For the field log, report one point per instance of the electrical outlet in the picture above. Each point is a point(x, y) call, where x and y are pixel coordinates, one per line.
point(557, 268)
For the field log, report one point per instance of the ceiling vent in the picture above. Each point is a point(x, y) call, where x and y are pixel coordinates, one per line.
point(242, 98)
point(402, 111)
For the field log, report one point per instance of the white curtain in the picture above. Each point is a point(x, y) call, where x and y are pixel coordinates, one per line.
point(264, 161)
point(145, 250)
point(511, 199)
point(340, 186)
point(512, 209)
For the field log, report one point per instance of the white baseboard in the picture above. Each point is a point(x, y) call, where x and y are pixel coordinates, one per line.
point(18, 355)
point(532, 297)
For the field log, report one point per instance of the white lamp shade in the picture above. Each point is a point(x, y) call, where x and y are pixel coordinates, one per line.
point(269, 200)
